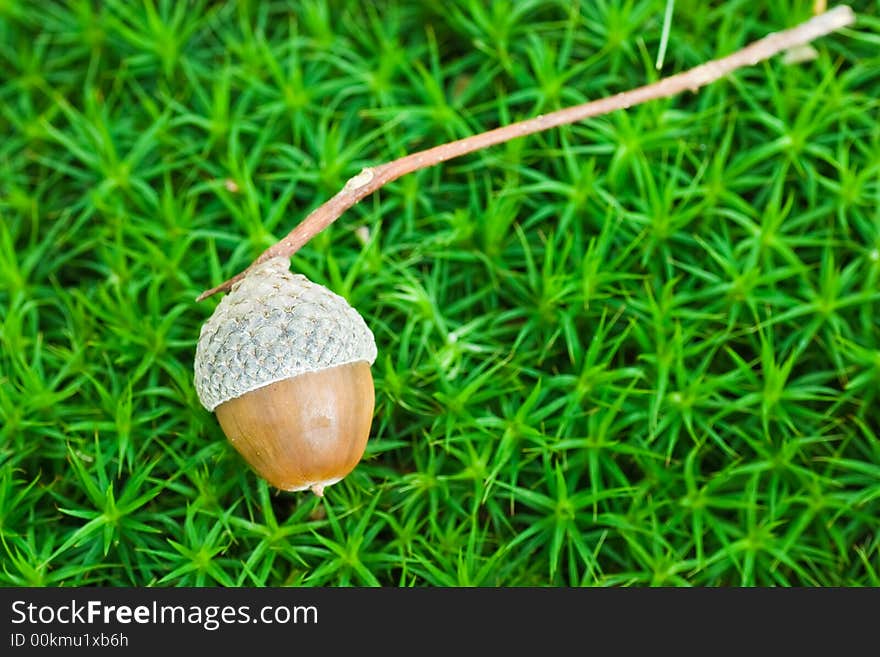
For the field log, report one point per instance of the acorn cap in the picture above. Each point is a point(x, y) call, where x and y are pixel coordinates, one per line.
point(274, 325)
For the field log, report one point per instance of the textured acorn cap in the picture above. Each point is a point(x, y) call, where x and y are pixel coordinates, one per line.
point(274, 325)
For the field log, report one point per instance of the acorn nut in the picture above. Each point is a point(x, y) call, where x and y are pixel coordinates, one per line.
point(285, 365)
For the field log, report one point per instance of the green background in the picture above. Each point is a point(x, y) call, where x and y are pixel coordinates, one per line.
point(640, 350)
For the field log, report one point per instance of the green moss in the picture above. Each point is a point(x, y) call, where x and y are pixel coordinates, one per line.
point(640, 350)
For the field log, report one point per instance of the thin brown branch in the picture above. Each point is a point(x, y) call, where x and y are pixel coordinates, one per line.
point(371, 179)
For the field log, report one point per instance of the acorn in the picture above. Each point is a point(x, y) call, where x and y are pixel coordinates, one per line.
point(285, 365)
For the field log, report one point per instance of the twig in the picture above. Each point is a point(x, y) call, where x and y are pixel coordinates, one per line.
point(371, 179)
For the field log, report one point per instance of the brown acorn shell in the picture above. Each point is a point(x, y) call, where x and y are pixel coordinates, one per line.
point(303, 432)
